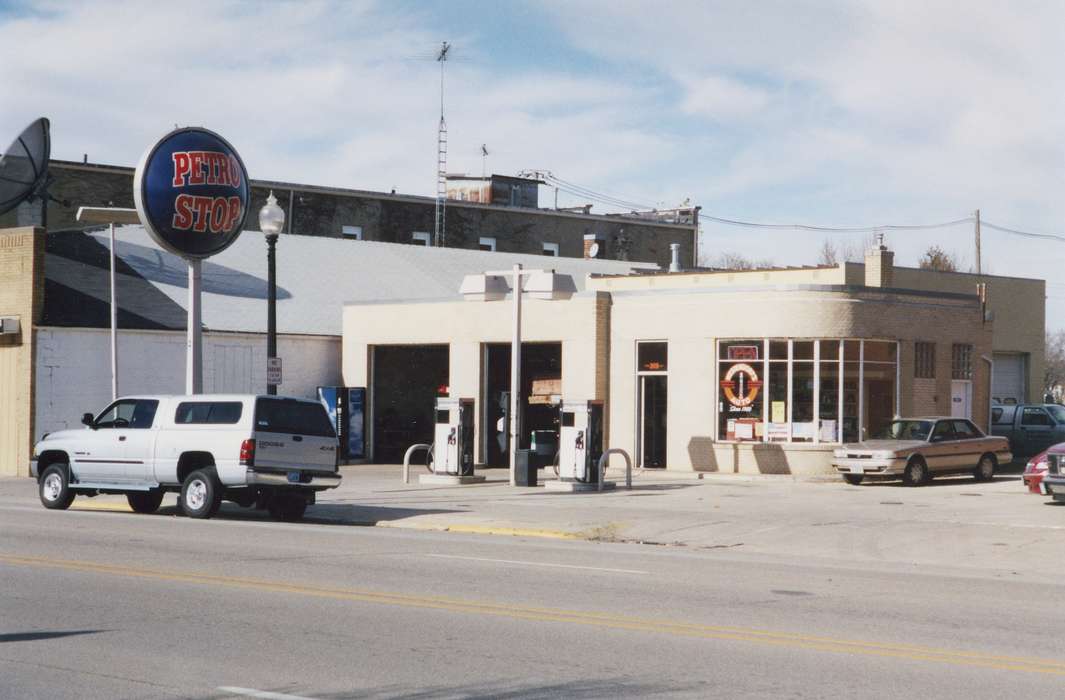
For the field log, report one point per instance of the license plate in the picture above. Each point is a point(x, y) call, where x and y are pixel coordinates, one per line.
point(294, 477)
point(858, 469)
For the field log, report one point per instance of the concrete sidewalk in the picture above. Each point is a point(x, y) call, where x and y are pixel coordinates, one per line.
point(994, 526)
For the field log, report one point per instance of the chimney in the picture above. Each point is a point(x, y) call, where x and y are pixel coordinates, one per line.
point(879, 265)
point(674, 257)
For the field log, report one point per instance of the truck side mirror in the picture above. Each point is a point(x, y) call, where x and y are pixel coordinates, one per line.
point(87, 419)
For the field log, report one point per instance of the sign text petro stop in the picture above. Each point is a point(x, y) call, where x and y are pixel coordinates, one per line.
point(191, 190)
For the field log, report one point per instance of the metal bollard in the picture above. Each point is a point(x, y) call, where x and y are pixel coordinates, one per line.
point(406, 459)
point(628, 466)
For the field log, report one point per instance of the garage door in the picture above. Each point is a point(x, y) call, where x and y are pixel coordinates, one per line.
point(1010, 378)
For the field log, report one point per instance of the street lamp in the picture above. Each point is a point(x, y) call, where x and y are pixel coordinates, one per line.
point(492, 286)
point(271, 221)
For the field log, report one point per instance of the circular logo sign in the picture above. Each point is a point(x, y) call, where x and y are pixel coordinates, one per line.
point(192, 192)
point(741, 385)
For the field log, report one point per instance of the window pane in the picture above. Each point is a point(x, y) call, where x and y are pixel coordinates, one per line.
point(851, 351)
point(778, 401)
point(802, 407)
point(963, 431)
point(740, 401)
point(879, 352)
point(829, 409)
point(1034, 416)
point(741, 350)
point(778, 350)
point(651, 357)
point(829, 349)
point(802, 350)
point(850, 401)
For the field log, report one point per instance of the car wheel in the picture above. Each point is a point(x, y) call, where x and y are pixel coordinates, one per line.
point(54, 488)
point(916, 473)
point(287, 506)
point(201, 494)
point(145, 501)
point(985, 468)
point(853, 479)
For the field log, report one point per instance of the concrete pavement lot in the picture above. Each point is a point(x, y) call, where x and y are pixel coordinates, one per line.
point(996, 528)
point(115, 605)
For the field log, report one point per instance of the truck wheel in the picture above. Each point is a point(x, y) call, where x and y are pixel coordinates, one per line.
point(54, 488)
point(287, 506)
point(985, 468)
point(145, 501)
point(201, 494)
point(853, 479)
point(916, 473)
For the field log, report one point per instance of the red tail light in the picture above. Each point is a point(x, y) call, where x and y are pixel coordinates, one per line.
point(247, 453)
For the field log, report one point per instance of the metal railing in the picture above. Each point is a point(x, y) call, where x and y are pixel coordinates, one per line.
point(406, 459)
point(605, 457)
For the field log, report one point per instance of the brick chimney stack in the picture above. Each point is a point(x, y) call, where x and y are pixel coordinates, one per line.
point(879, 265)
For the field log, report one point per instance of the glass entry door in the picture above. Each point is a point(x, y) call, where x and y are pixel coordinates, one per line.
point(652, 429)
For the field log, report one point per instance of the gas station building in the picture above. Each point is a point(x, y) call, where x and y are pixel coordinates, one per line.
point(757, 371)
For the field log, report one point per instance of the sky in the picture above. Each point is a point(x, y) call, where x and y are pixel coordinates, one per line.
point(838, 114)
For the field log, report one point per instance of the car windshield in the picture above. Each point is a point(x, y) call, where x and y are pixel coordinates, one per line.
point(907, 430)
point(1058, 412)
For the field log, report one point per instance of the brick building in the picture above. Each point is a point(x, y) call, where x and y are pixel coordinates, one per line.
point(505, 219)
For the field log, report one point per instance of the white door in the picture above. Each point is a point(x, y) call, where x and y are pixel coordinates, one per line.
point(961, 398)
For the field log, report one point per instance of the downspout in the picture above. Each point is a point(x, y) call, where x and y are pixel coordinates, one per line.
point(990, 384)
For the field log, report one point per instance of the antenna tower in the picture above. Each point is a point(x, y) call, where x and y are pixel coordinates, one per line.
point(441, 155)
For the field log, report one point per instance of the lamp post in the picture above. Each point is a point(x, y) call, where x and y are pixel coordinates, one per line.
point(491, 286)
point(271, 221)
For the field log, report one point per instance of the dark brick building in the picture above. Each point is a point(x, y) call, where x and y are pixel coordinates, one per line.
point(399, 218)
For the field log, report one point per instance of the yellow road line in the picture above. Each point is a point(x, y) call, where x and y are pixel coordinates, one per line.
point(605, 620)
point(486, 530)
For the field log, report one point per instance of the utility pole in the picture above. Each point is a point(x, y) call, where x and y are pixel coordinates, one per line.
point(976, 216)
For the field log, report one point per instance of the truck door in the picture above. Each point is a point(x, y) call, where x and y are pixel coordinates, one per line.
point(138, 440)
point(101, 458)
point(1037, 430)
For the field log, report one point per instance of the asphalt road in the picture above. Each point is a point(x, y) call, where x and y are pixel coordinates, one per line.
point(115, 605)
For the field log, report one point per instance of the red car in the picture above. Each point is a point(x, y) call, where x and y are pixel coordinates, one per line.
point(1037, 468)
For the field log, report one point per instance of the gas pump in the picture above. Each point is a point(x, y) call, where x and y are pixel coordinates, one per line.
point(580, 441)
point(453, 437)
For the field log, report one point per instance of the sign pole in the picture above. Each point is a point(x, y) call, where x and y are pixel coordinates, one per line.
point(114, 322)
point(194, 337)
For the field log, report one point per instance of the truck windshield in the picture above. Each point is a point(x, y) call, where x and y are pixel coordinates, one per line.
point(293, 417)
point(907, 430)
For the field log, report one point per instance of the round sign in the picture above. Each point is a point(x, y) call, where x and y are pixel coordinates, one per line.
point(192, 193)
point(741, 385)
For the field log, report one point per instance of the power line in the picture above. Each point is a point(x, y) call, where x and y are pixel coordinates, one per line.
point(837, 229)
point(1026, 234)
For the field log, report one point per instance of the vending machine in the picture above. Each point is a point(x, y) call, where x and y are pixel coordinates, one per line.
point(453, 437)
point(347, 409)
point(580, 441)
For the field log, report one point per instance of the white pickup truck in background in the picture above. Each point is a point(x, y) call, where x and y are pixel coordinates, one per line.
point(265, 451)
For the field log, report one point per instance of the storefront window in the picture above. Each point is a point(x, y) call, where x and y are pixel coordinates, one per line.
point(811, 391)
point(740, 397)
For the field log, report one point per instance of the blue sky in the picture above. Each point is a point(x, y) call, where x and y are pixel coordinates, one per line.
point(834, 113)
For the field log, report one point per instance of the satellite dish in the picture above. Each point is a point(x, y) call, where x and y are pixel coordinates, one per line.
point(593, 250)
point(24, 166)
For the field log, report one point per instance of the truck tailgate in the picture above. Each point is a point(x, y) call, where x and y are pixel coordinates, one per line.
point(293, 435)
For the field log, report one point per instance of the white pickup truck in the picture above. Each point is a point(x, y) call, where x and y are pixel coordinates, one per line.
point(265, 451)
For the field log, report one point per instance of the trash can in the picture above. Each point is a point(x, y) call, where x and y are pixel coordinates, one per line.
point(524, 469)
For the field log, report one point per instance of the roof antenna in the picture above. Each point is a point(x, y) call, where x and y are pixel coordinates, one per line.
point(441, 154)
